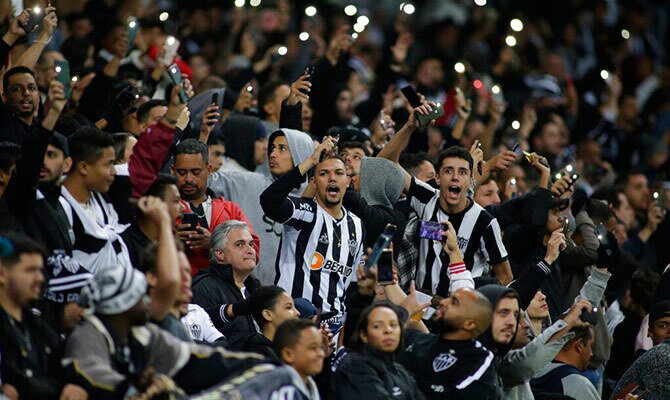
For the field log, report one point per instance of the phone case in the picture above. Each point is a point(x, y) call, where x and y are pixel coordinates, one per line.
point(63, 75)
point(175, 76)
point(437, 112)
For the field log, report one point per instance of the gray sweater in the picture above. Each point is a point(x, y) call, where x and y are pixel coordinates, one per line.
point(519, 366)
point(652, 371)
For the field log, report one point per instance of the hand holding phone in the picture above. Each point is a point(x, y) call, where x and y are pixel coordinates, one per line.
point(381, 244)
point(175, 76)
point(385, 268)
point(35, 15)
point(431, 230)
point(590, 316)
point(191, 219)
point(63, 75)
point(132, 26)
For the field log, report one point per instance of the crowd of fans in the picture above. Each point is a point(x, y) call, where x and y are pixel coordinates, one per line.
point(276, 199)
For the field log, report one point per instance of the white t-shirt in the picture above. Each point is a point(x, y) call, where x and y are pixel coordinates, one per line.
point(199, 325)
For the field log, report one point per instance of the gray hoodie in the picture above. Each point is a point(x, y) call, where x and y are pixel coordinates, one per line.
point(245, 188)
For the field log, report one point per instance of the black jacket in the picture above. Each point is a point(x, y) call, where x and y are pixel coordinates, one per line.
point(371, 375)
point(258, 343)
point(41, 381)
point(451, 369)
point(215, 286)
point(376, 217)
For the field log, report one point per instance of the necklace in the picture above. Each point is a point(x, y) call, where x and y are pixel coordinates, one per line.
point(339, 238)
point(24, 337)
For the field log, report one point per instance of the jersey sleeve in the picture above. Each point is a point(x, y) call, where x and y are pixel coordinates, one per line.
point(492, 243)
point(421, 194)
point(303, 212)
point(209, 333)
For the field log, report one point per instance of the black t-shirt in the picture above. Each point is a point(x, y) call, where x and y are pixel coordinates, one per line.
point(136, 241)
point(450, 369)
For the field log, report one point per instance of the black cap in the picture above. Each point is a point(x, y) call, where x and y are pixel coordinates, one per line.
point(59, 141)
point(658, 311)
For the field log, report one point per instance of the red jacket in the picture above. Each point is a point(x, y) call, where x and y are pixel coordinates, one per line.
point(222, 211)
point(148, 156)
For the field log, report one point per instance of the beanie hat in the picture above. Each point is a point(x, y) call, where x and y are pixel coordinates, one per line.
point(382, 181)
point(114, 290)
point(66, 278)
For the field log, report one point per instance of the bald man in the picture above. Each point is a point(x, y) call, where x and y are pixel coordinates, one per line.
point(452, 364)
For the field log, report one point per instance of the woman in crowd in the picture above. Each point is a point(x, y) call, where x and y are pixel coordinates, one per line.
point(369, 371)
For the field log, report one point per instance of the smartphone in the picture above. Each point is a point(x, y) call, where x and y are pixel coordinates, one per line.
point(382, 243)
point(215, 100)
point(566, 226)
point(132, 26)
point(309, 71)
point(437, 112)
point(516, 149)
point(171, 46)
point(633, 389)
point(512, 183)
point(35, 15)
point(385, 268)
point(191, 219)
point(431, 230)
point(411, 95)
point(63, 75)
point(601, 234)
point(175, 77)
point(659, 200)
point(590, 316)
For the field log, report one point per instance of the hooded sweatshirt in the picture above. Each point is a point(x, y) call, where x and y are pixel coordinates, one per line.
point(382, 183)
point(495, 293)
point(245, 188)
point(240, 133)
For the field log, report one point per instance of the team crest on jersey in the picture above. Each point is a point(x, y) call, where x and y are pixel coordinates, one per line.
point(324, 238)
point(462, 243)
point(196, 330)
point(353, 245)
point(443, 361)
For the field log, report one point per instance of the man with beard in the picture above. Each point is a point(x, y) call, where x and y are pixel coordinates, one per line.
point(21, 98)
point(191, 167)
point(452, 364)
point(322, 242)
point(30, 347)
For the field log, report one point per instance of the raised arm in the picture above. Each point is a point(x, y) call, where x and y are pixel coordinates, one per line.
point(30, 56)
point(165, 287)
point(153, 146)
point(400, 140)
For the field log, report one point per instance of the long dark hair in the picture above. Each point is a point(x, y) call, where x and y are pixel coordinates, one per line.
point(357, 343)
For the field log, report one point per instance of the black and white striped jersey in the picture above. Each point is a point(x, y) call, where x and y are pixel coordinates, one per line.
point(318, 255)
point(478, 233)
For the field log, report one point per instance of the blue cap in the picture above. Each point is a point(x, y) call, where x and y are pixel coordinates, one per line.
point(305, 308)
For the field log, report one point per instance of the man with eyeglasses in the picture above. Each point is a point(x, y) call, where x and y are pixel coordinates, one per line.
point(21, 97)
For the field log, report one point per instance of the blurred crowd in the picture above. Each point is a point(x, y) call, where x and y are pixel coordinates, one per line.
point(342, 199)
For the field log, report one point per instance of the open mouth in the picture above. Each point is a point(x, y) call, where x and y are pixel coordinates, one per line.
point(333, 190)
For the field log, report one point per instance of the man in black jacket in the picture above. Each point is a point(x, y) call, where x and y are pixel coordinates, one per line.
point(30, 348)
point(453, 364)
point(222, 289)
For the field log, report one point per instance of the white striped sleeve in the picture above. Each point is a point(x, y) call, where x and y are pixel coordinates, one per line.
point(478, 374)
